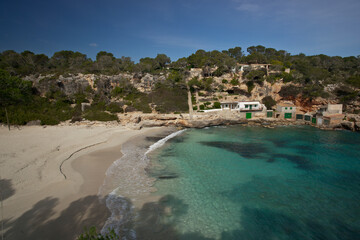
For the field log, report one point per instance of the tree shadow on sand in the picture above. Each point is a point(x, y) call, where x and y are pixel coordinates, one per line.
point(155, 220)
point(6, 189)
point(158, 220)
point(39, 222)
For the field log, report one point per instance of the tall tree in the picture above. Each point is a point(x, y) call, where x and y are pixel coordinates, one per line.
point(162, 60)
point(13, 91)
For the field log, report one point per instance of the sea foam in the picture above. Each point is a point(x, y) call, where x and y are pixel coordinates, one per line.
point(162, 141)
point(128, 178)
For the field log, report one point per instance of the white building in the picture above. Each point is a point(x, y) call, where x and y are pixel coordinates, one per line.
point(330, 109)
point(246, 109)
point(243, 106)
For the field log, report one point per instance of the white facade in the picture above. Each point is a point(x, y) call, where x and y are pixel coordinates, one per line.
point(331, 109)
point(286, 108)
point(243, 106)
point(246, 106)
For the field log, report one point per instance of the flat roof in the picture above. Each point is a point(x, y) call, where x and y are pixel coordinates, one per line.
point(241, 102)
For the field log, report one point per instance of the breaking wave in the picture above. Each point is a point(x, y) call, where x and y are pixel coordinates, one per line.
point(127, 177)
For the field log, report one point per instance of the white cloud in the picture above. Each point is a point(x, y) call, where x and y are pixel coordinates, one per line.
point(248, 7)
point(93, 45)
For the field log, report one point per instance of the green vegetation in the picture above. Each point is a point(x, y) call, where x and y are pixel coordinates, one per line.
point(204, 84)
point(234, 82)
point(169, 99)
point(250, 85)
point(94, 115)
point(216, 105)
point(20, 102)
point(354, 81)
point(92, 234)
point(269, 102)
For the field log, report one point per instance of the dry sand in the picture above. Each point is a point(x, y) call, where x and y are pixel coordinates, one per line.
point(39, 202)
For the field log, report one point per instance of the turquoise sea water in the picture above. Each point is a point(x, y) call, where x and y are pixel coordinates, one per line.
point(256, 183)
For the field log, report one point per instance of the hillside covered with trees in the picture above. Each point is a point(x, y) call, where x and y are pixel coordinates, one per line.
point(52, 89)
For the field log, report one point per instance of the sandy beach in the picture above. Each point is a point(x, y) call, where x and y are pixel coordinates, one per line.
point(50, 177)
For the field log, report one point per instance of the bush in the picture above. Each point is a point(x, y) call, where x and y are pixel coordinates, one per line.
point(250, 85)
point(114, 108)
point(220, 71)
point(92, 234)
point(287, 77)
point(289, 92)
point(117, 91)
point(269, 102)
point(217, 105)
point(96, 115)
point(354, 81)
point(168, 99)
point(234, 82)
point(38, 108)
point(206, 84)
point(256, 75)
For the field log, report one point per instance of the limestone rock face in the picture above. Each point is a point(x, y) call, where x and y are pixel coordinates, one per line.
point(348, 125)
point(268, 89)
point(357, 126)
point(221, 89)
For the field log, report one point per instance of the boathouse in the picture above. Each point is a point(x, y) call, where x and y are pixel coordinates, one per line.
point(285, 110)
point(330, 109)
point(329, 115)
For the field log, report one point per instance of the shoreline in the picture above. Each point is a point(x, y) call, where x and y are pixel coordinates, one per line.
point(39, 203)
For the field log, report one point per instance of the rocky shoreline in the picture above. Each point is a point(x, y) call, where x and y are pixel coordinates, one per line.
point(138, 121)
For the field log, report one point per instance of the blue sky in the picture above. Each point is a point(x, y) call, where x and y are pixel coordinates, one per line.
point(144, 28)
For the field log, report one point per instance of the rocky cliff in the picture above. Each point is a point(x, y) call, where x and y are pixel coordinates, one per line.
point(221, 89)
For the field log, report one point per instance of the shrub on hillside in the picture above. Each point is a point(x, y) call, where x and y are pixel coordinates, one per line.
point(289, 92)
point(269, 102)
point(96, 115)
point(234, 82)
point(216, 105)
point(250, 85)
point(114, 108)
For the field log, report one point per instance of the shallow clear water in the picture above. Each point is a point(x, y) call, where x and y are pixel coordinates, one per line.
point(257, 183)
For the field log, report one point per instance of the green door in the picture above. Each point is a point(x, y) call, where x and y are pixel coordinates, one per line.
point(313, 120)
point(248, 115)
point(288, 115)
point(299, 116)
